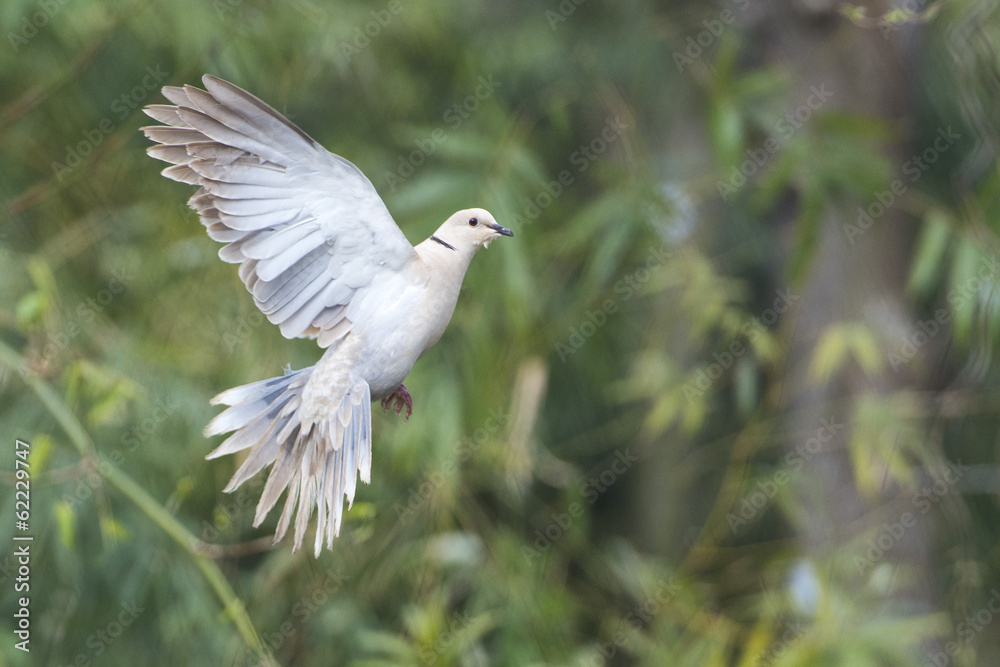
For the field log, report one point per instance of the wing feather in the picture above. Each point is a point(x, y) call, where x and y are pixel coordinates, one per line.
point(170, 153)
point(271, 268)
point(308, 229)
point(182, 173)
point(259, 112)
point(277, 292)
point(272, 220)
point(262, 175)
point(298, 300)
point(176, 95)
point(270, 242)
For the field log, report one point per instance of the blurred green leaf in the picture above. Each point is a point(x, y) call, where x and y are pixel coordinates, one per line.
point(928, 260)
point(65, 523)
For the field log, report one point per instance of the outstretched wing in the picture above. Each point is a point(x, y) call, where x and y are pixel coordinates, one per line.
point(306, 226)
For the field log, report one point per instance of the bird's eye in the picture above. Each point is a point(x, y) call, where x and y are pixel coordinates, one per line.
point(473, 222)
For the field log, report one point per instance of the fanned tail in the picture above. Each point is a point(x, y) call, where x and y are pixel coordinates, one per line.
point(315, 461)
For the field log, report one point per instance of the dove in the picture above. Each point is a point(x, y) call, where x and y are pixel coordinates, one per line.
point(324, 260)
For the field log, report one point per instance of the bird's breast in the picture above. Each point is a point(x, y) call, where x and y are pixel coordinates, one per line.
point(398, 335)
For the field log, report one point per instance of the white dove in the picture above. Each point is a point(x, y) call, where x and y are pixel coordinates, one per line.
point(323, 259)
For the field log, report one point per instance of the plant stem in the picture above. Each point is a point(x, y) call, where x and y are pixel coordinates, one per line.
point(81, 440)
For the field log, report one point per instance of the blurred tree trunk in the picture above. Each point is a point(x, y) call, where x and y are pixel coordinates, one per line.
point(867, 73)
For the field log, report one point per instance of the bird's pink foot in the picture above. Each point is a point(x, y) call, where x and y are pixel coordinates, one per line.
point(398, 400)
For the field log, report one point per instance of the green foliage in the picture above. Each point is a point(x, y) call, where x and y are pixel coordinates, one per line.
point(577, 482)
point(843, 342)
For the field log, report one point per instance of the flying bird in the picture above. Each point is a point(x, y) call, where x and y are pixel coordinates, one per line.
point(323, 259)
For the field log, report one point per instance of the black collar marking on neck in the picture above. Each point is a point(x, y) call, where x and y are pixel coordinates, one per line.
point(444, 243)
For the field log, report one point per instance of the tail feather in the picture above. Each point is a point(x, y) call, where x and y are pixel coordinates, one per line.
point(317, 462)
point(253, 390)
point(263, 453)
point(248, 435)
point(241, 414)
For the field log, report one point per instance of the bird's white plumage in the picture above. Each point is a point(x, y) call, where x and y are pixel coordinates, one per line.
point(323, 259)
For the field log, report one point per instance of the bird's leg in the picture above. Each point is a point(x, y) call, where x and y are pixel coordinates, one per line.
point(399, 399)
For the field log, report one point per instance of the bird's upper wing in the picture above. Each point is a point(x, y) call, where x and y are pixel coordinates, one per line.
point(307, 227)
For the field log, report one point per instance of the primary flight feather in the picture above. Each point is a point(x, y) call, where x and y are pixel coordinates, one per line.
point(323, 259)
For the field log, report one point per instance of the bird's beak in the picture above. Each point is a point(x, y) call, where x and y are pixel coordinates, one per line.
point(503, 231)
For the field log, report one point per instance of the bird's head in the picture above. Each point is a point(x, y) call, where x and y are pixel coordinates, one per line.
point(470, 229)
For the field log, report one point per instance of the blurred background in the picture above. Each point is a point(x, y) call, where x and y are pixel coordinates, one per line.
point(726, 398)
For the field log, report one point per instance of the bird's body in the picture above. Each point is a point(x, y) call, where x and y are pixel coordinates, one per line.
point(413, 314)
point(323, 259)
